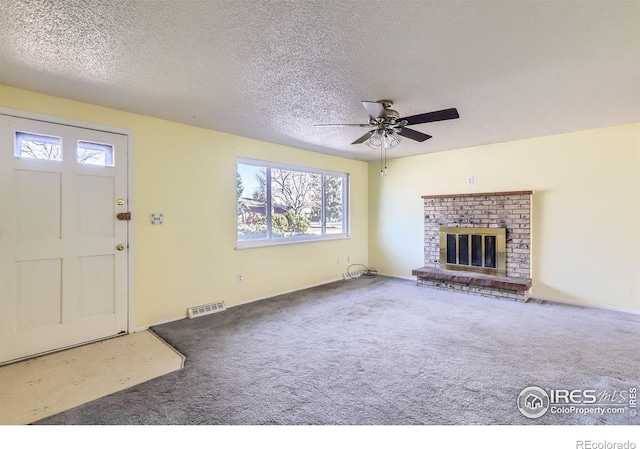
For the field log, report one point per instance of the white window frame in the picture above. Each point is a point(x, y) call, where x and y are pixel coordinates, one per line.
point(269, 240)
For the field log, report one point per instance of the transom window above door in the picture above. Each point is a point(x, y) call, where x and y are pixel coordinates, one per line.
point(93, 153)
point(36, 146)
point(43, 147)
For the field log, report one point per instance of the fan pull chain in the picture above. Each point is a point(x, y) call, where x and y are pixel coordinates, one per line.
point(385, 158)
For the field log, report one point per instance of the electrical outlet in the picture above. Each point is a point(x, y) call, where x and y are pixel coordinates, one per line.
point(338, 262)
point(348, 259)
point(239, 279)
point(470, 180)
point(156, 218)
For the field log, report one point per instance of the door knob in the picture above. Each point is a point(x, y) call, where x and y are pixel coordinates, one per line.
point(120, 247)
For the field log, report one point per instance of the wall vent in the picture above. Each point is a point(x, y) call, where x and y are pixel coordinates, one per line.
point(206, 309)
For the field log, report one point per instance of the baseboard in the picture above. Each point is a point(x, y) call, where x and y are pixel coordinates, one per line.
point(573, 302)
point(406, 278)
point(144, 328)
point(284, 293)
point(569, 302)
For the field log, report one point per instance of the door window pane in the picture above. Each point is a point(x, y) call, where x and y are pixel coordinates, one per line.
point(92, 153)
point(37, 146)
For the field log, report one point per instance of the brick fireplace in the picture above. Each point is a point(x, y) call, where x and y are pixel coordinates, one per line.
point(471, 224)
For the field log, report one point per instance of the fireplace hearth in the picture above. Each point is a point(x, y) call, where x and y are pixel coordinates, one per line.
point(478, 243)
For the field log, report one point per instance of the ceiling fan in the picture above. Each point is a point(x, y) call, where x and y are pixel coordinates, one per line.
point(389, 127)
point(386, 121)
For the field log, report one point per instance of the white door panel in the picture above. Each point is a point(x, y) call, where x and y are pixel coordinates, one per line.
point(95, 205)
point(62, 281)
point(37, 204)
point(38, 292)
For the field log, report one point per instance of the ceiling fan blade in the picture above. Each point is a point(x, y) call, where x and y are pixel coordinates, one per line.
point(330, 125)
point(363, 138)
point(413, 135)
point(435, 116)
point(375, 109)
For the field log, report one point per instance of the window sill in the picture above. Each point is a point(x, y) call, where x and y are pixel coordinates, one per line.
point(265, 243)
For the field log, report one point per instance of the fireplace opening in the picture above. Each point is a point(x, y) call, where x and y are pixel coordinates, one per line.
point(482, 250)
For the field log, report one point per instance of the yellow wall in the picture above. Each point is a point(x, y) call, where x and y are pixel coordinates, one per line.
point(188, 174)
point(586, 209)
point(585, 183)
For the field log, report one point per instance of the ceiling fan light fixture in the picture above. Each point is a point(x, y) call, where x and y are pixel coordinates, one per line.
point(376, 139)
point(387, 137)
point(393, 139)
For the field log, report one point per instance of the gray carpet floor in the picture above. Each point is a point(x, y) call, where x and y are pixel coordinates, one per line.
point(378, 351)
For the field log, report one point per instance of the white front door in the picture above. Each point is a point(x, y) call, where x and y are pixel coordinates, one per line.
point(63, 252)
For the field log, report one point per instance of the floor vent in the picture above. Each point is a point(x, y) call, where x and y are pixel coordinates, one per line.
point(206, 309)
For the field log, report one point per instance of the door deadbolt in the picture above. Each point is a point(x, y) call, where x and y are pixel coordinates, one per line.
point(120, 247)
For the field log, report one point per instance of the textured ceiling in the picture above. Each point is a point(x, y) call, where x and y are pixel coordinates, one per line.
point(272, 69)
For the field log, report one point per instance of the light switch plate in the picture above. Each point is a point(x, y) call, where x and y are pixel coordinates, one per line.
point(156, 218)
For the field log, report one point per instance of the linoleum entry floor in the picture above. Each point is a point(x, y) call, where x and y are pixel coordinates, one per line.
point(43, 386)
